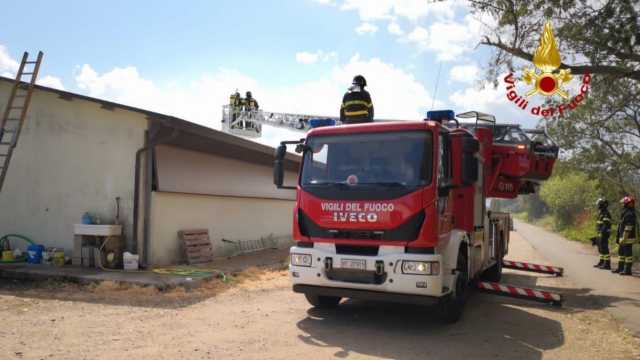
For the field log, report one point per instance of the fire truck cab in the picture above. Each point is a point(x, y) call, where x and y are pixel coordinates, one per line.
point(396, 211)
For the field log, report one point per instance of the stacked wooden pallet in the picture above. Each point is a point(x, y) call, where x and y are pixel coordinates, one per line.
point(197, 245)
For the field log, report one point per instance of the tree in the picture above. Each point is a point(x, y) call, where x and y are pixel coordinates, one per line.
point(602, 135)
point(600, 40)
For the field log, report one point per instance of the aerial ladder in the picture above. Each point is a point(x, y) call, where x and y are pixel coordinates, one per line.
point(249, 122)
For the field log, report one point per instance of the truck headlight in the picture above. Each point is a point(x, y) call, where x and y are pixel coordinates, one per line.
point(420, 267)
point(301, 260)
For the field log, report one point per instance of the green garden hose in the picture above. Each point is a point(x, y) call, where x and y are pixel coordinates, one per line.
point(6, 238)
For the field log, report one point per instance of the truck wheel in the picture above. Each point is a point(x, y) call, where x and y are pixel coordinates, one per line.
point(322, 302)
point(452, 306)
point(494, 273)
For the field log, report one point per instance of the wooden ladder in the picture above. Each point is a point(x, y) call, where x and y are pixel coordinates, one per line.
point(16, 110)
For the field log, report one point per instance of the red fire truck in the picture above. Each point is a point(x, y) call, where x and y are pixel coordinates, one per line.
point(396, 211)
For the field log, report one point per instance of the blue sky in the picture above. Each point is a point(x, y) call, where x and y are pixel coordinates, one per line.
point(184, 58)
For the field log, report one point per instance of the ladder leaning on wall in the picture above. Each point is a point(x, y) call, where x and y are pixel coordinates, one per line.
point(16, 110)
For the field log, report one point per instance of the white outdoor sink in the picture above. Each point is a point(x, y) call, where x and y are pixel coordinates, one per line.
point(97, 230)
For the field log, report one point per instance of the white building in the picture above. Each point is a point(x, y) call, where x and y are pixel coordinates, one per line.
point(77, 154)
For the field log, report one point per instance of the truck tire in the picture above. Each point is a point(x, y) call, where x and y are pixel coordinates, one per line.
point(452, 306)
point(323, 302)
point(494, 273)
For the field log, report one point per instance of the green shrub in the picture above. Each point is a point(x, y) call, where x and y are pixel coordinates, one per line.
point(568, 196)
point(583, 229)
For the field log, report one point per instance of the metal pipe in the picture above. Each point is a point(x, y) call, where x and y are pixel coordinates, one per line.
point(149, 145)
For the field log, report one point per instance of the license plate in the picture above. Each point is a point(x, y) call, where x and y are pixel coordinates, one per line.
point(354, 264)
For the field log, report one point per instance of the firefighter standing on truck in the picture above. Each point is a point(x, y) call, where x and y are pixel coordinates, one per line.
point(626, 236)
point(356, 103)
point(603, 227)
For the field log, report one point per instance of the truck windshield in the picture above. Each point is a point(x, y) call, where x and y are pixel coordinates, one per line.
point(392, 159)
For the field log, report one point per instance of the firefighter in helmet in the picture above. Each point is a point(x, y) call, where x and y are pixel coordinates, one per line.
point(626, 236)
point(235, 105)
point(603, 227)
point(250, 103)
point(356, 103)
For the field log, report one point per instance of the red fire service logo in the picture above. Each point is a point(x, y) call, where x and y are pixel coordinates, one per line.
point(545, 81)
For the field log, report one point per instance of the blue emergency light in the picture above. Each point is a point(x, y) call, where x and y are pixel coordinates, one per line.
point(316, 122)
point(441, 115)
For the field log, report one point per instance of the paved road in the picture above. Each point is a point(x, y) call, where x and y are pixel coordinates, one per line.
point(619, 295)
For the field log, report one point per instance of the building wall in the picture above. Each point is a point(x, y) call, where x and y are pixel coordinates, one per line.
point(72, 156)
point(226, 217)
point(186, 171)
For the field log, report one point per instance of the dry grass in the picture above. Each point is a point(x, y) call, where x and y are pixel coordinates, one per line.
point(114, 293)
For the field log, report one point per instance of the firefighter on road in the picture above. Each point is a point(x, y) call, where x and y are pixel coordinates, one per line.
point(626, 235)
point(356, 103)
point(603, 227)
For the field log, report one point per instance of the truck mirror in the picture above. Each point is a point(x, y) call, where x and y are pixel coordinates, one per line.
point(281, 151)
point(278, 166)
point(469, 168)
point(470, 145)
point(278, 173)
point(278, 169)
point(469, 175)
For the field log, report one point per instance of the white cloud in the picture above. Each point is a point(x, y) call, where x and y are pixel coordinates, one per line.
point(396, 93)
point(366, 28)
point(464, 73)
point(449, 37)
point(326, 2)
point(419, 36)
point(50, 81)
point(394, 28)
point(415, 9)
point(492, 100)
point(305, 57)
point(410, 9)
point(449, 40)
point(369, 10)
point(8, 66)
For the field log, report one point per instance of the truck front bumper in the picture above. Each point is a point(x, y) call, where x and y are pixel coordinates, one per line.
point(392, 284)
point(366, 295)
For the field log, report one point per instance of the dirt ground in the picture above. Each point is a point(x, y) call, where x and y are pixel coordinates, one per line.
point(257, 316)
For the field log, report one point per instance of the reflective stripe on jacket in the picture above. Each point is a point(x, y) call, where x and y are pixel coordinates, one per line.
point(356, 107)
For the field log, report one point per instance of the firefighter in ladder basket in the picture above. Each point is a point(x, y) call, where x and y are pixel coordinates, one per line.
point(250, 103)
point(235, 105)
point(356, 103)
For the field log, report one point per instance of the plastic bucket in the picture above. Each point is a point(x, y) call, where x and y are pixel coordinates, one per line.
point(7, 255)
point(130, 261)
point(34, 254)
point(58, 258)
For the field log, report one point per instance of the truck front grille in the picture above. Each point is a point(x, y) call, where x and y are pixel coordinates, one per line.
point(356, 276)
point(408, 231)
point(356, 250)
